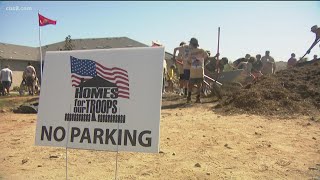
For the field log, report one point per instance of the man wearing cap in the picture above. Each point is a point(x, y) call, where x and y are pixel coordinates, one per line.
point(179, 63)
point(196, 59)
point(316, 30)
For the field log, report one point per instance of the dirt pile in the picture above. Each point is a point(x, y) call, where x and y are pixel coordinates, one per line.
point(28, 107)
point(288, 92)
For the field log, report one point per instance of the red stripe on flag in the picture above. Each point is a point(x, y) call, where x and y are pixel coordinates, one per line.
point(111, 72)
point(111, 69)
point(114, 80)
point(123, 96)
point(112, 77)
point(124, 88)
point(115, 75)
point(123, 92)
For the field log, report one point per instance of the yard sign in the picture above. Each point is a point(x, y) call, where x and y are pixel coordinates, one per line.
point(101, 99)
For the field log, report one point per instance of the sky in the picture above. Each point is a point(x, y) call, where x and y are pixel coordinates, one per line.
point(246, 27)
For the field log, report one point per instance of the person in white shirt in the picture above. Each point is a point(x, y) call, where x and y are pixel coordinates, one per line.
point(6, 80)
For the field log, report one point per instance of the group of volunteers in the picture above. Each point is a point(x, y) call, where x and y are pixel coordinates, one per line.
point(193, 63)
point(6, 76)
point(256, 66)
point(292, 62)
point(190, 62)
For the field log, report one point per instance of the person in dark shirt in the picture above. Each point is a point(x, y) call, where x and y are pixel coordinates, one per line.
point(211, 64)
point(256, 67)
point(292, 61)
point(257, 64)
point(238, 61)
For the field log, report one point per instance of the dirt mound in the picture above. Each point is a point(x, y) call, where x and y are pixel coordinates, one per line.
point(288, 92)
point(27, 109)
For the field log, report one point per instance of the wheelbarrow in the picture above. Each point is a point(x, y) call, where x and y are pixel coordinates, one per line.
point(230, 80)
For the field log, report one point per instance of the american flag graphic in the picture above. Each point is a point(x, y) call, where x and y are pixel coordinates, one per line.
point(86, 69)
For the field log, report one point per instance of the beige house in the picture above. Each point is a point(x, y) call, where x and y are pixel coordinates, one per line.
point(17, 57)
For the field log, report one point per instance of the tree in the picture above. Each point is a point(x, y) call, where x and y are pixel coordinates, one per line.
point(68, 45)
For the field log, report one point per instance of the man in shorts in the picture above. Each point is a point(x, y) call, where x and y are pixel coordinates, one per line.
point(6, 80)
point(29, 75)
point(196, 60)
point(179, 64)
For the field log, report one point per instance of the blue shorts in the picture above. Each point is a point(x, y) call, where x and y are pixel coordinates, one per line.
point(6, 84)
point(186, 74)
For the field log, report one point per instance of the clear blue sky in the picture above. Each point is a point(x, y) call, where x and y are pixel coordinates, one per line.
point(246, 27)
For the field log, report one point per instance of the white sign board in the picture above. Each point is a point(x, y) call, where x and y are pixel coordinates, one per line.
point(101, 99)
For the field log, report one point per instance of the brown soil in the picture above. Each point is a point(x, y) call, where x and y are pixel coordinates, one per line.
point(288, 92)
point(8, 103)
point(195, 143)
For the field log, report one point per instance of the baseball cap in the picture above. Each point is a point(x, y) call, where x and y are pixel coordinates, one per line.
point(314, 28)
point(194, 41)
point(156, 43)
